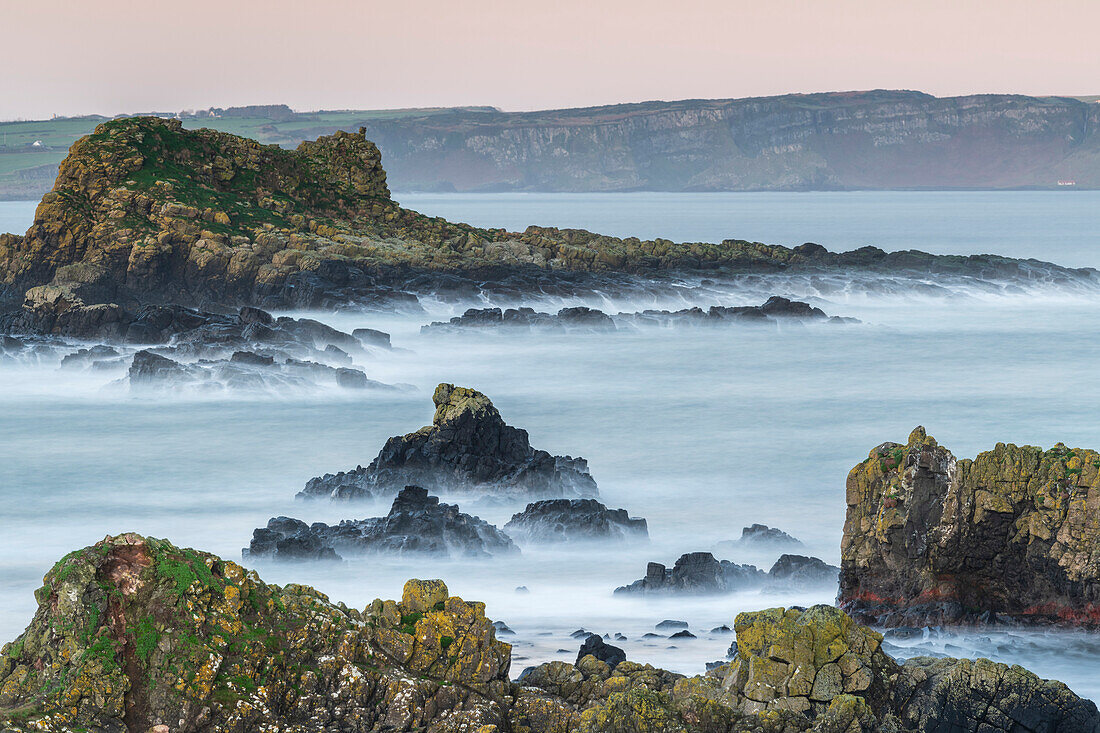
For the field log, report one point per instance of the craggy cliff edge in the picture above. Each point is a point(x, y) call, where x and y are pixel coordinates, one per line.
point(1012, 535)
point(137, 635)
point(145, 212)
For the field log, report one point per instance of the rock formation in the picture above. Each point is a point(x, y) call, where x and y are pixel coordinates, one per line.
point(467, 448)
point(582, 319)
point(144, 212)
point(762, 535)
point(416, 523)
point(702, 572)
point(574, 520)
point(697, 572)
point(1011, 535)
point(135, 634)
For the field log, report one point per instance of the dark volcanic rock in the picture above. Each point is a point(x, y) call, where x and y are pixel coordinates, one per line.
point(610, 655)
point(799, 571)
point(285, 538)
point(1010, 535)
point(761, 534)
point(417, 523)
point(589, 319)
point(696, 572)
point(574, 520)
point(467, 448)
point(701, 572)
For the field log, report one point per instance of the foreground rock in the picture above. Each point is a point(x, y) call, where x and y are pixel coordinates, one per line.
point(467, 448)
point(135, 634)
point(417, 523)
point(582, 319)
point(574, 520)
point(1009, 536)
point(702, 573)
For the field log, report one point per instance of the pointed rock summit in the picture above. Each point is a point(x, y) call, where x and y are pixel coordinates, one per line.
point(467, 448)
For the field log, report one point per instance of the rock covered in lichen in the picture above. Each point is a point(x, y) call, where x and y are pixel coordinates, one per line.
point(135, 634)
point(1011, 535)
point(467, 448)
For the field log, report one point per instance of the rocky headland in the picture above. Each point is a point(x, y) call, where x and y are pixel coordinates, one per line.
point(136, 634)
point(144, 212)
point(416, 523)
point(468, 448)
point(1010, 536)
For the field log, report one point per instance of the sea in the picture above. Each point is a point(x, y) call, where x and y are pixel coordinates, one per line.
point(700, 431)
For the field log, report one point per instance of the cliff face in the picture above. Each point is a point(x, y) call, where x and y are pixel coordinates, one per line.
point(1013, 533)
point(820, 141)
point(137, 635)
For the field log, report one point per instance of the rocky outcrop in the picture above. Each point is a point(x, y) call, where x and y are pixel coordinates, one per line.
point(798, 572)
point(574, 520)
point(467, 448)
point(416, 523)
point(135, 634)
point(761, 535)
point(697, 572)
point(582, 319)
point(702, 572)
point(144, 212)
point(1009, 536)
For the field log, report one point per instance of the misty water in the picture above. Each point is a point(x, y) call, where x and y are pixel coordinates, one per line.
point(700, 431)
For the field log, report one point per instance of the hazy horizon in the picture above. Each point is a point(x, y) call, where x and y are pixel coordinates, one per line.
point(121, 56)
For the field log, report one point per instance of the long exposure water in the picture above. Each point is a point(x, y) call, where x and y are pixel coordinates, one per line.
point(701, 431)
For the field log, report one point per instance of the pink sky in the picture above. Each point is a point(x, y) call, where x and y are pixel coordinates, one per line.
point(110, 56)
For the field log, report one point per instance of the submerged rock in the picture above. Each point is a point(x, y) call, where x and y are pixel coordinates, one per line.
point(416, 523)
point(1009, 536)
point(574, 520)
point(467, 448)
point(135, 634)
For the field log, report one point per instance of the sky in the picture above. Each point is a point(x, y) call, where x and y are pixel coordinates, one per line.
point(111, 56)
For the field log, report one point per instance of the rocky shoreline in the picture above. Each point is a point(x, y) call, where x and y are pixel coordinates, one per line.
point(136, 634)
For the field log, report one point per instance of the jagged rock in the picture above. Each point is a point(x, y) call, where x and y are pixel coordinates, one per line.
point(701, 572)
point(612, 656)
point(763, 535)
point(372, 337)
point(285, 538)
point(416, 523)
point(589, 319)
point(137, 634)
point(1010, 535)
point(800, 571)
point(574, 520)
point(467, 448)
point(696, 572)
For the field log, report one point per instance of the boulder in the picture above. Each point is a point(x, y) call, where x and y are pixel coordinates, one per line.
point(467, 448)
point(574, 520)
point(610, 655)
point(796, 572)
point(1010, 535)
point(417, 523)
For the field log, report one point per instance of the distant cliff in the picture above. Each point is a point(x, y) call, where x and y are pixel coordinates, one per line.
point(850, 140)
point(865, 140)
